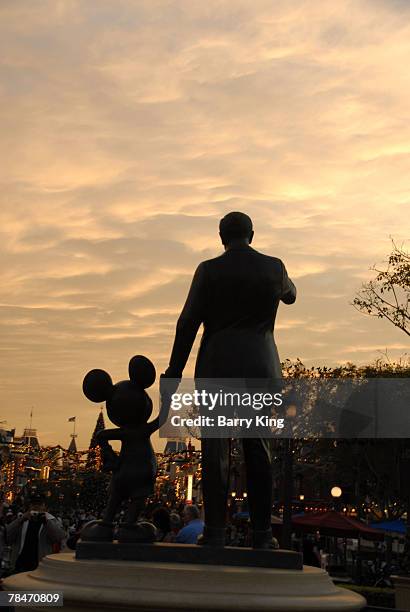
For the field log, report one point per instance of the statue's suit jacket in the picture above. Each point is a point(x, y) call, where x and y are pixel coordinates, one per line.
point(236, 297)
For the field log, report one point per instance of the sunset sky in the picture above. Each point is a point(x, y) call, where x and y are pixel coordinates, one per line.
point(129, 128)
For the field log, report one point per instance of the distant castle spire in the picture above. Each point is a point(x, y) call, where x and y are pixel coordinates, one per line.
point(72, 449)
point(98, 427)
point(73, 446)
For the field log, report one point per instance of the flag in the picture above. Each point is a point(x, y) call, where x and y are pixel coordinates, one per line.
point(71, 419)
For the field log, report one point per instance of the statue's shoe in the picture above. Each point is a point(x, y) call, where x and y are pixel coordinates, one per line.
point(97, 531)
point(142, 531)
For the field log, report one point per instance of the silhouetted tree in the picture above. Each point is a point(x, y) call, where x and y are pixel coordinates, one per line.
point(387, 296)
point(94, 460)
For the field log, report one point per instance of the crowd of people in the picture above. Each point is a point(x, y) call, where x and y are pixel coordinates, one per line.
point(29, 532)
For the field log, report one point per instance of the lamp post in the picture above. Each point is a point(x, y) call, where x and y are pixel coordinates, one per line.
point(232, 505)
point(287, 477)
point(287, 484)
point(336, 493)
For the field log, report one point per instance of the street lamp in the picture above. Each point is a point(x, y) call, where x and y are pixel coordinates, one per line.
point(336, 493)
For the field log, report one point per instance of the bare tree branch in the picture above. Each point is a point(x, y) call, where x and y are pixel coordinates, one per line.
point(393, 280)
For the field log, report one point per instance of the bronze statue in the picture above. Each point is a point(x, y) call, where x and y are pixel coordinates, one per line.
point(236, 297)
point(134, 470)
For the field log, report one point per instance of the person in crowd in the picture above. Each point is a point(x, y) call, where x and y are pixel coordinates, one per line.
point(161, 520)
point(194, 526)
point(74, 533)
point(9, 517)
point(176, 524)
point(32, 536)
point(310, 554)
point(3, 538)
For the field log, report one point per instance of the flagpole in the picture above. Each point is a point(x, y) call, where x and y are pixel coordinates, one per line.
point(74, 421)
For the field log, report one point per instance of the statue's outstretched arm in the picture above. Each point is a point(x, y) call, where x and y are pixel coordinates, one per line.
point(109, 434)
point(288, 288)
point(190, 319)
point(167, 387)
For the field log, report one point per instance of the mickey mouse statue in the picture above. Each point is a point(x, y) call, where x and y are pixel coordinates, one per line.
point(134, 470)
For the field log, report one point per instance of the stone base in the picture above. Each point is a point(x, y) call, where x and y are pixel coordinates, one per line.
point(161, 552)
point(402, 592)
point(169, 587)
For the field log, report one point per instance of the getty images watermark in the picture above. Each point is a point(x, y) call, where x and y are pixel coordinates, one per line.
point(209, 401)
point(292, 408)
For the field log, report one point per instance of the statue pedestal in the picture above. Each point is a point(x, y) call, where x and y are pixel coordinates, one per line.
point(90, 584)
point(162, 552)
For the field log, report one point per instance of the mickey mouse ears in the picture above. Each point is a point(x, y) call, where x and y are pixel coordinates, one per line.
point(142, 371)
point(97, 385)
